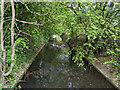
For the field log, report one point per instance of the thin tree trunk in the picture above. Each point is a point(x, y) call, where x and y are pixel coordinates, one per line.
point(12, 39)
point(2, 41)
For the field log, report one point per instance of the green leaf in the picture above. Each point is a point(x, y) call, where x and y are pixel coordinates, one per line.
point(19, 87)
point(107, 62)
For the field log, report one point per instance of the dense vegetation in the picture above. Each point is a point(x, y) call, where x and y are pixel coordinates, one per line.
point(90, 29)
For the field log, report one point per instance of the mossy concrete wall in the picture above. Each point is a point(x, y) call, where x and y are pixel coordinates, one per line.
point(23, 70)
point(105, 70)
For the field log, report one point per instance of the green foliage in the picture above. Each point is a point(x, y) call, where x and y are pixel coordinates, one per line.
point(1, 86)
point(19, 87)
point(92, 29)
point(27, 37)
point(99, 23)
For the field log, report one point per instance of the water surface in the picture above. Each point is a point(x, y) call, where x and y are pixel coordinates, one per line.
point(53, 69)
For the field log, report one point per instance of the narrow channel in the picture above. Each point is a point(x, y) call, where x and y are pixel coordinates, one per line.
point(53, 69)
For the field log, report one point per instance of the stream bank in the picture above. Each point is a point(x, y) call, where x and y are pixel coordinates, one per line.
point(24, 69)
point(104, 69)
point(53, 69)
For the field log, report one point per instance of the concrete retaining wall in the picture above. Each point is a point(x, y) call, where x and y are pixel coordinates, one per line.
point(105, 70)
point(24, 70)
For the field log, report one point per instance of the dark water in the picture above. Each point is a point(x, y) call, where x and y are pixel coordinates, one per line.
point(54, 70)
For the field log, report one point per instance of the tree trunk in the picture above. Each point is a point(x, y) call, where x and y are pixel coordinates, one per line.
point(2, 41)
point(3, 55)
point(12, 39)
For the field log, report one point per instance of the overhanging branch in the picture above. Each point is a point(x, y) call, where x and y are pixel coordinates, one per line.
point(34, 23)
point(35, 12)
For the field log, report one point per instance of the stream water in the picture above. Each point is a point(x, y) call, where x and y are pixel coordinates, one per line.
point(53, 69)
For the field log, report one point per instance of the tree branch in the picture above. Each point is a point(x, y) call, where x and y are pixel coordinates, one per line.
point(6, 8)
point(20, 31)
point(6, 30)
point(34, 12)
point(35, 23)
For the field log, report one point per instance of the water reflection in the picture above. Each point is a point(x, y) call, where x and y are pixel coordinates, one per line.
point(54, 70)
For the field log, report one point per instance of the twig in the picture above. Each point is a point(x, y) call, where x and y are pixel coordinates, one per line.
point(7, 20)
point(0, 57)
point(6, 38)
point(1, 65)
point(22, 81)
point(26, 33)
point(16, 43)
point(20, 31)
point(35, 23)
point(11, 79)
point(6, 8)
point(34, 12)
point(2, 19)
point(6, 29)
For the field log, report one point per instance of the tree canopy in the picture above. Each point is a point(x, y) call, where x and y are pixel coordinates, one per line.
point(92, 29)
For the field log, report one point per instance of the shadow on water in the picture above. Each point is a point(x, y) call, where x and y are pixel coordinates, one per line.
point(53, 69)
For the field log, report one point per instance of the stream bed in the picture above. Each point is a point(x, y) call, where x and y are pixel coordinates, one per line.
point(54, 69)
